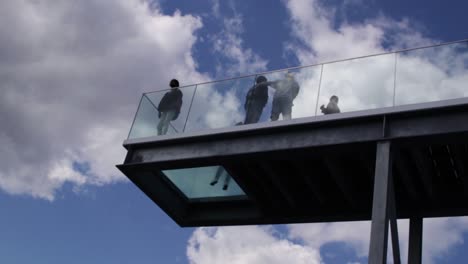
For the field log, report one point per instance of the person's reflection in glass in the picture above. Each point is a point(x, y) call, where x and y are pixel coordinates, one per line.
point(227, 178)
point(286, 91)
point(169, 107)
point(332, 107)
point(255, 101)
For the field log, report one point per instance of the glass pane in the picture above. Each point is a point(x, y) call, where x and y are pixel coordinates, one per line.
point(177, 125)
point(204, 182)
point(282, 91)
point(359, 84)
point(148, 121)
point(432, 74)
point(219, 104)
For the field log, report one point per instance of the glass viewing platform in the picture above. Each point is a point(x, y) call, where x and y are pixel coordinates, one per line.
point(385, 80)
point(380, 137)
point(410, 76)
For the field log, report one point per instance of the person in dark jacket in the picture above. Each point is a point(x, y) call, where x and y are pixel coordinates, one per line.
point(255, 101)
point(286, 91)
point(332, 107)
point(169, 107)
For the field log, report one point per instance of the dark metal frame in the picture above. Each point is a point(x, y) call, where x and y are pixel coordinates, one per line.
point(387, 130)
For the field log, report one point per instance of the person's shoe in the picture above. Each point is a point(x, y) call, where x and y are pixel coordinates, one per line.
point(225, 186)
point(213, 182)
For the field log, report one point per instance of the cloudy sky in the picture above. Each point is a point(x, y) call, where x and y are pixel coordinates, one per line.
point(72, 74)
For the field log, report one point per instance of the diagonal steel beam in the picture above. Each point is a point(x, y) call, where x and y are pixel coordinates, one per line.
point(379, 225)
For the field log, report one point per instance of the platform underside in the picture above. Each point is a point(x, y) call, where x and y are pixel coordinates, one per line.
point(316, 170)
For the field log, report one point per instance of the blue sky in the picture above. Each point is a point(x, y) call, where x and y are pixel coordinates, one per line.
point(71, 74)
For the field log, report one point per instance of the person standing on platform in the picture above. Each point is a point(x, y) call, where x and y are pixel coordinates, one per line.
point(227, 178)
point(255, 101)
point(169, 107)
point(332, 107)
point(286, 91)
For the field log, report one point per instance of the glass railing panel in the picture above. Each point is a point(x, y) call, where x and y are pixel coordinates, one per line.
point(219, 104)
point(204, 182)
point(146, 120)
point(432, 74)
point(413, 76)
point(359, 84)
point(149, 121)
point(178, 123)
point(295, 87)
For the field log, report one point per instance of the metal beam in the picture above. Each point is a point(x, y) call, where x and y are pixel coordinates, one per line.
point(393, 222)
point(277, 181)
point(302, 133)
point(342, 179)
point(415, 240)
point(426, 175)
point(310, 180)
point(248, 189)
point(269, 199)
point(365, 161)
point(379, 226)
point(459, 153)
point(402, 166)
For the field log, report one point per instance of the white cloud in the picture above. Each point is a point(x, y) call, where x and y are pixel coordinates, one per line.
point(215, 8)
point(355, 234)
point(302, 242)
point(70, 75)
point(361, 84)
point(237, 59)
point(439, 237)
point(321, 39)
point(248, 244)
point(421, 76)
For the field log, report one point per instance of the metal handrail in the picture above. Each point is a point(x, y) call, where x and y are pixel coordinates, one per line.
point(318, 64)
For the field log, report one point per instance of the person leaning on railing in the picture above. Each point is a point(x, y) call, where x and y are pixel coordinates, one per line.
point(286, 91)
point(169, 107)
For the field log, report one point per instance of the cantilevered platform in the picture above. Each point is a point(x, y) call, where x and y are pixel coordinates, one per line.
point(315, 169)
point(398, 150)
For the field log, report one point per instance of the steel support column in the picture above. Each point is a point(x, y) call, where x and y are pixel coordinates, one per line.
point(415, 240)
point(393, 223)
point(380, 206)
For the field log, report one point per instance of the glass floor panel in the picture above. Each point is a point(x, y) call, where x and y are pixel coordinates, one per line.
point(204, 182)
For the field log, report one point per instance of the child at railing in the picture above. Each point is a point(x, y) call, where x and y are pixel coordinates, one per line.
point(332, 107)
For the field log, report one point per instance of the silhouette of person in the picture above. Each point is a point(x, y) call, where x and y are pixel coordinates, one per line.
point(169, 107)
point(332, 107)
point(286, 91)
point(227, 178)
point(255, 101)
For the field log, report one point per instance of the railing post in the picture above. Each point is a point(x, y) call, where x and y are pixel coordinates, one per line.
point(395, 79)
point(190, 107)
point(318, 91)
